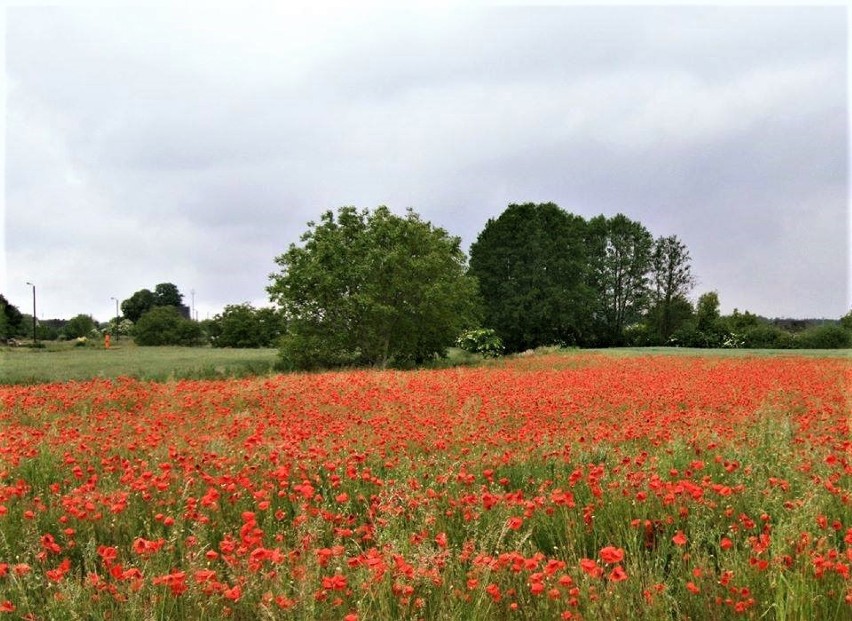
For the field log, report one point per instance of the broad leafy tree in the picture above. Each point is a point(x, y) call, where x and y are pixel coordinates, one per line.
point(164, 294)
point(370, 287)
point(167, 294)
point(138, 304)
point(671, 271)
point(620, 261)
point(531, 266)
point(242, 325)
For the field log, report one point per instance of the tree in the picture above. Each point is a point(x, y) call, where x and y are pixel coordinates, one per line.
point(138, 304)
point(79, 326)
point(167, 294)
point(10, 319)
point(531, 266)
point(164, 325)
point(620, 258)
point(370, 287)
point(242, 325)
point(672, 277)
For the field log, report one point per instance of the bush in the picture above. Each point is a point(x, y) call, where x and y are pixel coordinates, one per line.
point(483, 341)
point(827, 336)
point(164, 325)
point(767, 336)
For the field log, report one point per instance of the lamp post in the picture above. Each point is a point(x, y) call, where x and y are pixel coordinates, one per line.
point(35, 340)
point(116, 310)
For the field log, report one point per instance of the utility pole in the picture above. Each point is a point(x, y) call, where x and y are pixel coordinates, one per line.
point(35, 339)
point(192, 314)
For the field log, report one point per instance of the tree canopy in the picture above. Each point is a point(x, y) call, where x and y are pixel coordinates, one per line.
point(164, 325)
point(242, 325)
point(164, 294)
point(531, 264)
point(370, 287)
point(620, 253)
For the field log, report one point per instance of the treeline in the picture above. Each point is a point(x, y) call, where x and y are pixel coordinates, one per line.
point(368, 287)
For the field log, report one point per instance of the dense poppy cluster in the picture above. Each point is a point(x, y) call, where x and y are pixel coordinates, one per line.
point(560, 486)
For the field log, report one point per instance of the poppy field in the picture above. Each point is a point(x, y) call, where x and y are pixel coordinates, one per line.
point(578, 486)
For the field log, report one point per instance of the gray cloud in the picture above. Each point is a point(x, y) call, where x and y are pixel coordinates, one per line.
point(147, 145)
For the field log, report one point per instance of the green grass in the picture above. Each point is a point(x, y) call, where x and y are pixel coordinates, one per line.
point(63, 362)
point(60, 362)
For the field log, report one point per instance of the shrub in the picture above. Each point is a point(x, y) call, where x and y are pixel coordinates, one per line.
point(164, 325)
point(827, 336)
point(483, 341)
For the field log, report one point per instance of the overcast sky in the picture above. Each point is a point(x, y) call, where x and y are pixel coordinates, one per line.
point(190, 146)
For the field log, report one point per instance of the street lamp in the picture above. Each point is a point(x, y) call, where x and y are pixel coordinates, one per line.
point(116, 310)
point(35, 340)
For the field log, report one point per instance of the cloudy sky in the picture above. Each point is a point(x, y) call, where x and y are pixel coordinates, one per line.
point(155, 144)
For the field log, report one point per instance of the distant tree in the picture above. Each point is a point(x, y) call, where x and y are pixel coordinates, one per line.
point(620, 252)
point(825, 336)
point(164, 325)
point(138, 304)
point(79, 326)
point(167, 294)
point(531, 266)
point(680, 315)
point(672, 278)
point(371, 287)
point(242, 325)
point(846, 321)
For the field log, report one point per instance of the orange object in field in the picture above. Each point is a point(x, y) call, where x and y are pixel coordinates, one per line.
point(106, 342)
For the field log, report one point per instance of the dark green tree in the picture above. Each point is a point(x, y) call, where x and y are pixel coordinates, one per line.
point(671, 272)
point(138, 304)
point(369, 288)
point(10, 319)
point(167, 294)
point(242, 325)
point(620, 261)
point(531, 265)
point(164, 325)
point(79, 326)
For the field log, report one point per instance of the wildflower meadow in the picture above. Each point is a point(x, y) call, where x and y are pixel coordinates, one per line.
point(578, 486)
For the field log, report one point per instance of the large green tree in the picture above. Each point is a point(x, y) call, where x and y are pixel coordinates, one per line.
point(620, 261)
point(671, 272)
point(167, 294)
point(164, 294)
point(531, 265)
point(138, 304)
point(370, 287)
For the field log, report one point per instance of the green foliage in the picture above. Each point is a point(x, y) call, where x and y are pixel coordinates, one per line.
point(620, 253)
point(673, 280)
point(766, 336)
point(167, 294)
point(164, 325)
point(242, 325)
point(164, 294)
point(11, 319)
point(367, 288)
point(79, 326)
point(138, 304)
point(846, 321)
point(531, 264)
point(826, 336)
point(482, 341)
